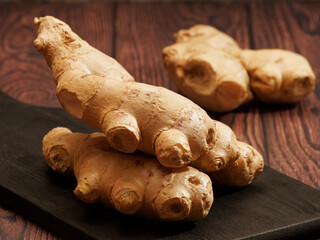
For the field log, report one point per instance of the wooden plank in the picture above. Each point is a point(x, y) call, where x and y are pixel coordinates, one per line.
point(143, 29)
point(14, 226)
point(292, 131)
point(24, 74)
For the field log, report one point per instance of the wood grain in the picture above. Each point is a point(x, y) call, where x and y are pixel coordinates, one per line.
point(14, 226)
point(24, 73)
point(134, 33)
point(292, 131)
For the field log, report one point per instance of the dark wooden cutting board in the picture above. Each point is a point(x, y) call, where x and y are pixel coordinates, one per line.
point(273, 207)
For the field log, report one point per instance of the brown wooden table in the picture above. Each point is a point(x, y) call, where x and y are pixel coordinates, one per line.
point(288, 136)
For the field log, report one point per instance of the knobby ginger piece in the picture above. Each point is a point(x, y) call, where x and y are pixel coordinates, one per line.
point(131, 183)
point(278, 76)
point(98, 90)
point(204, 66)
point(243, 171)
point(209, 67)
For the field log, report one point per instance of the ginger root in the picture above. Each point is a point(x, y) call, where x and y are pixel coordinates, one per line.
point(278, 76)
point(203, 66)
point(132, 184)
point(97, 89)
point(243, 171)
point(209, 68)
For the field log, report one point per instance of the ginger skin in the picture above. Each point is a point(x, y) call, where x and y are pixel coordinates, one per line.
point(243, 171)
point(132, 184)
point(98, 90)
point(278, 76)
point(209, 67)
point(203, 66)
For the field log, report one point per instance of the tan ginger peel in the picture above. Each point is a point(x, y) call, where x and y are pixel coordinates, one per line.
point(98, 90)
point(133, 184)
point(211, 69)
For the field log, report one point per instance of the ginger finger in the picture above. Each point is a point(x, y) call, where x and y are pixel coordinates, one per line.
point(214, 79)
point(210, 36)
point(243, 171)
point(132, 184)
point(171, 147)
point(122, 131)
point(205, 68)
point(216, 155)
point(96, 89)
point(278, 76)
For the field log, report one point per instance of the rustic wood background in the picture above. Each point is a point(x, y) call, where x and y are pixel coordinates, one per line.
point(288, 136)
